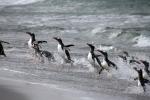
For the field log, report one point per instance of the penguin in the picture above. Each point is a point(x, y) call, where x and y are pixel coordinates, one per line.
point(31, 40)
point(106, 62)
point(2, 52)
point(48, 55)
point(124, 56)
point(42, 53)
point(63, 50)
point(145, 70)
point(141, 80)
point(94, 60)
point(146, 66)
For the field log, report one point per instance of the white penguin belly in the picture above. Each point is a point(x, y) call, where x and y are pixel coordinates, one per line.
point(104, 64)
point(139, 83)
point(90, 59)
point(30, 43)
point(145, 75)
point(60, 51)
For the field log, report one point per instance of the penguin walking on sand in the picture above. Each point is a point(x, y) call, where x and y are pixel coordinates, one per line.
point(2, 52)
point(141, 80)
point(93, 59)
point(106, 63)
point(63, 50)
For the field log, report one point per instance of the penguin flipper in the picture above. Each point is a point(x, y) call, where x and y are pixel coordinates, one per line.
point(41, 42)
point(147, 81)
point(70, 45)
point(4, 42)
point(98, 61)
point(98, 55)
point(134, 61)
point(68, 55)
point(113, 64)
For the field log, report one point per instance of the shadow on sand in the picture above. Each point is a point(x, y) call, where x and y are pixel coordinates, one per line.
point(10, 94)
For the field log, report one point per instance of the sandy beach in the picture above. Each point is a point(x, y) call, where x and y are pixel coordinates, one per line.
point(23, 90)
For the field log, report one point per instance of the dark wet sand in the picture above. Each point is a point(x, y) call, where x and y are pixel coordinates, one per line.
point(22, 90)
point(6, 93)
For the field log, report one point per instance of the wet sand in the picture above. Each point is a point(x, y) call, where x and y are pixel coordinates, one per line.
point(23, 90)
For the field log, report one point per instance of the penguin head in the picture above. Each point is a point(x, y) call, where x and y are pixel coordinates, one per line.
point(31, 34)
point(125, 53)
point(58, 39)
point(91, 46)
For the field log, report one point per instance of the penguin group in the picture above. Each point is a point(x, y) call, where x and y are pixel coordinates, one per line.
point(94, 57)
point(142, 68)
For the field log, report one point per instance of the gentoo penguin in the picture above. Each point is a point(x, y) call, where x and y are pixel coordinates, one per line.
point(42, 53)
point(106, 62)
point(141, 80)
point(93, 59)
point(63, 50)
point(124, 56)
point(145, 70)
point(146, 66)
point(48, 55)
point(2, 49)
point(36, 46)
point(31, 40)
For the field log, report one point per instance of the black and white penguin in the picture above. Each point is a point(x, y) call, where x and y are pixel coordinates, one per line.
point(31, 40)
point(144, 65)
point(42, 53)
point(124, 56)
point(2, 49)
point(141, 80)
point(106, 63)
point(48, 55)
point(63, 50)
point(93, 59)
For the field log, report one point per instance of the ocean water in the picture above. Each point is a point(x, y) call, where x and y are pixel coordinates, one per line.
point(121, 24)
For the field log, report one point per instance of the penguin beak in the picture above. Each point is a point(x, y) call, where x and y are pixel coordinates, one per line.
point(29, 33)
point(89, 44)
point(55, 38)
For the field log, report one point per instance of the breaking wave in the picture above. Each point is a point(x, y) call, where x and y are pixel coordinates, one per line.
point(18, 2)
point(142, 41)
